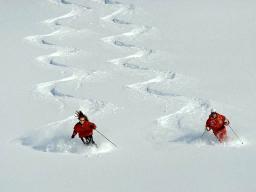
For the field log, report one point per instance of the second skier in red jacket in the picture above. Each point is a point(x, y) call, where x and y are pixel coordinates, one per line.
point(217, 123)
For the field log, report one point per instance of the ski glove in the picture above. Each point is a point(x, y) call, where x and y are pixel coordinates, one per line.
point(226, 122)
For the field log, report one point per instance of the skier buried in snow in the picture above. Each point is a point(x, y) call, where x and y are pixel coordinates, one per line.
point(217, 123)
point(84, 128)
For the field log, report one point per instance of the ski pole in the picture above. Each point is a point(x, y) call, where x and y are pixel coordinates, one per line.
point(203, 133)
point(236, 134)
point(106, 138)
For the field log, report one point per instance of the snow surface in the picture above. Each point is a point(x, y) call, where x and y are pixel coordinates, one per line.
point(147, 73)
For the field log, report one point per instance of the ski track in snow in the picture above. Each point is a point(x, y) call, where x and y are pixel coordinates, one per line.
point(177, 126)
point(52, 137)
point(165, 122)
point(168, 123)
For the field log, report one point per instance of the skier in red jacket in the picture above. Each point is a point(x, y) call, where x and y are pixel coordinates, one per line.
point(217, 122)
point(84, 128)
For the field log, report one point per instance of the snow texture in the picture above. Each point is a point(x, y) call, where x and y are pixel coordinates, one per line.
point(147, 73)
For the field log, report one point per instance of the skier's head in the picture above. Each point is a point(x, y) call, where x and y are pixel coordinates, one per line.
point(82, 120)
point(81, 117)
point(213, 113)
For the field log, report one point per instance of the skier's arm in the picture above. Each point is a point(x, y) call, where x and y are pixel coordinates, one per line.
point(74, 134)
point(92, 126)
point(207, 127)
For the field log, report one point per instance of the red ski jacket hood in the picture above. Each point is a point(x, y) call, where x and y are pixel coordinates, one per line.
point(85, 129)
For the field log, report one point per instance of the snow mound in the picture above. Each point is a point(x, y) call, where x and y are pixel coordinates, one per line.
point(184, 125)
point(55, 138)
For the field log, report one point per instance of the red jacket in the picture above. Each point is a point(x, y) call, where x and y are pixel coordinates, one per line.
point(84, 130)
point(217, 124)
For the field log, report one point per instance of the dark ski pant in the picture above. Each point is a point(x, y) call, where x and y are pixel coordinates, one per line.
point(87, 140)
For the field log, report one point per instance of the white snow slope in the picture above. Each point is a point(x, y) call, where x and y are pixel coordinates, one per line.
point(147, 73)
